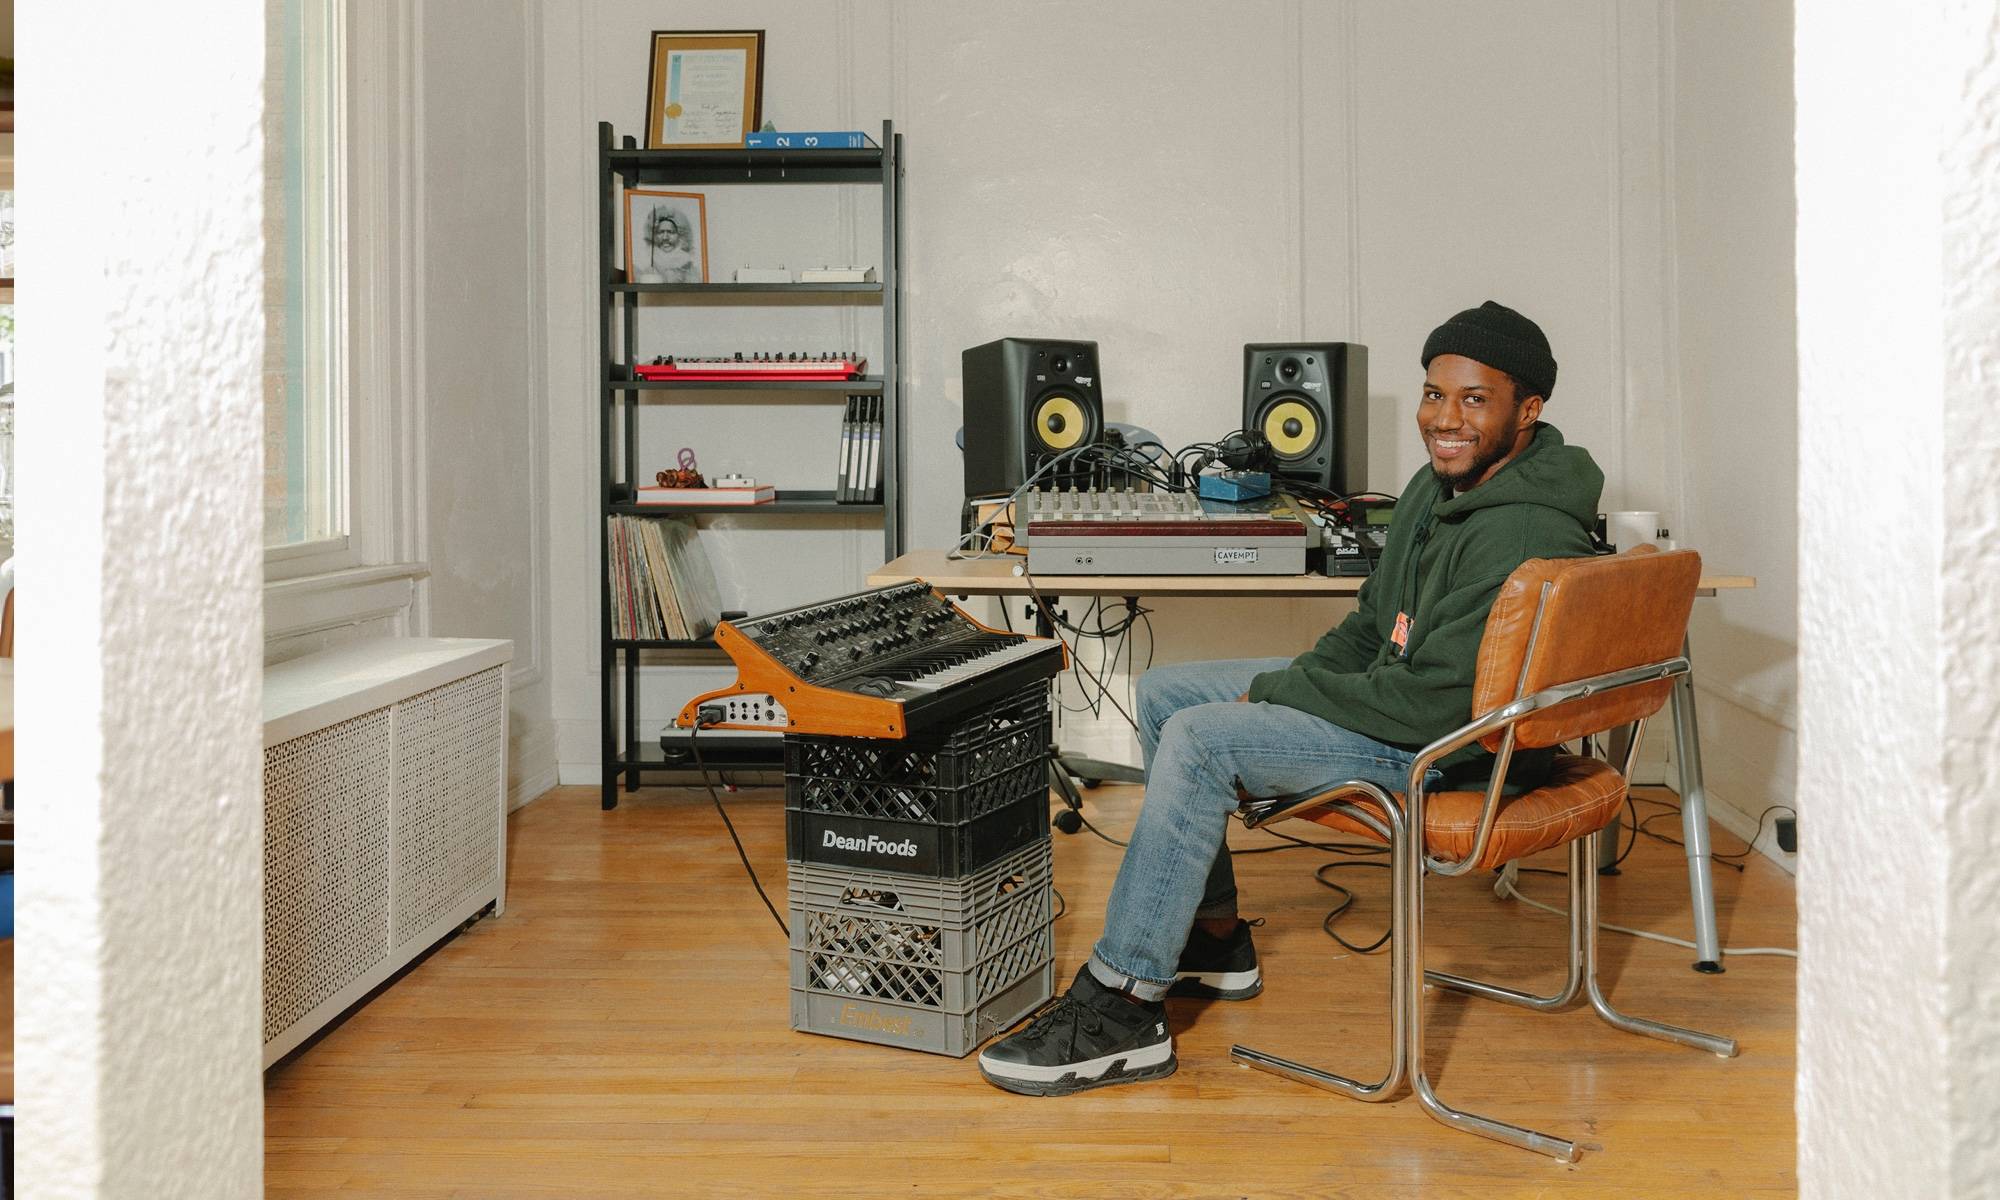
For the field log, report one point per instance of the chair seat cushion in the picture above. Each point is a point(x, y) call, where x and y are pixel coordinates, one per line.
point(1581, 797)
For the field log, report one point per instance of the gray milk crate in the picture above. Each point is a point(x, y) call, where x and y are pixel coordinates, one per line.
point(926, 964)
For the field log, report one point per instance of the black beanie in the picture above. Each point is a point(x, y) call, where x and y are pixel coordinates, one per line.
point(1502, 339)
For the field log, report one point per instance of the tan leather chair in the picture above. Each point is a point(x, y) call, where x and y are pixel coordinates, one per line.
point(1572, 648)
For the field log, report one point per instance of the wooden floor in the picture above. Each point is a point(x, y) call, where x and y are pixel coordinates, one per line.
point(622, 1031)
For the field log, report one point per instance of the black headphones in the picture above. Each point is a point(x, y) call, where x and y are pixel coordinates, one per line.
point(1244, 450)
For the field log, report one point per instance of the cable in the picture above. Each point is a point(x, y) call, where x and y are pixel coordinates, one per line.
point(1506, 888)
point(1094, 829)
point(1347, 902)
point(694, 737)
point(1759, 832)
point(1050, 614)
point(1061, 901)
point(1091, 454)
point(1302, 844)
point(1734, 860)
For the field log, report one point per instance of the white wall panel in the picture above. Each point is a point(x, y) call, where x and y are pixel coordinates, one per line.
point(483, 338)
point(1735, 339)
point(1485, 165)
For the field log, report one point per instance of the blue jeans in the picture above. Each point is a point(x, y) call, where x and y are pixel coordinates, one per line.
point(1200, 745)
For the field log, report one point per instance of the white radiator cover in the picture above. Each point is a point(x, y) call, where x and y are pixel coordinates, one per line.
point(385, 805)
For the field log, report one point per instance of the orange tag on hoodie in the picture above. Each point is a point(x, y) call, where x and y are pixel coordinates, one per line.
point(1400, 637)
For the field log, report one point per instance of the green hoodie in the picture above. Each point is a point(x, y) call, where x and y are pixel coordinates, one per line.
point(1445, 560)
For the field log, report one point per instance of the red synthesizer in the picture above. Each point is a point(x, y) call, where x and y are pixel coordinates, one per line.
point(778, 368)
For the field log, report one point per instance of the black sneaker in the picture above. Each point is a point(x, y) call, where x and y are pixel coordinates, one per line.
point(1088, 1037)
point(1219, 968)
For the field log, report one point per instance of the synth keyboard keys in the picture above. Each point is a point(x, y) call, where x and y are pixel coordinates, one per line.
point(980, 665)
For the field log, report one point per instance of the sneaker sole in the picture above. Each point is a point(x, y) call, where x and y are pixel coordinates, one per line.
point(1218, 985)
point(1109, 1070)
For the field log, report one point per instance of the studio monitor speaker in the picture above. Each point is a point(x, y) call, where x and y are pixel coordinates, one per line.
point(1310, 401)
point(1027, 400)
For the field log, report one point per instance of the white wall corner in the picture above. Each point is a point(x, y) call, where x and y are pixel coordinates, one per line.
point(138, 687)
point(1898, 266)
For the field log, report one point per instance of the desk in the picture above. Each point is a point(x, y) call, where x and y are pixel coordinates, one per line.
point(995, 577)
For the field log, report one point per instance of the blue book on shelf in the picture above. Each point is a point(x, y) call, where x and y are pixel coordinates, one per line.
point(766, 139)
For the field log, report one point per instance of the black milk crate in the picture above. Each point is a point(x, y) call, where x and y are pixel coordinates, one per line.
point(940, 803)
point(933, 965)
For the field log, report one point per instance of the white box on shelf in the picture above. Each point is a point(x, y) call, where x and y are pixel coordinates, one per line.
point(385, 805)
point(837, 275)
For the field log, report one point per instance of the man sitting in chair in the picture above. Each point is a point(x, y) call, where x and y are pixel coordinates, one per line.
point(1500, 488)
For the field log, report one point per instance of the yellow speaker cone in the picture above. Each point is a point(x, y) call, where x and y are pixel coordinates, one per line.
point(1059, 422)
point(1292, 428)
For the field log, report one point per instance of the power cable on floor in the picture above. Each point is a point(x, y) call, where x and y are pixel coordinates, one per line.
point(694, 737)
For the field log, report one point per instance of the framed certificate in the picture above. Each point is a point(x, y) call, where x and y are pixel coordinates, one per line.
point(704, 90)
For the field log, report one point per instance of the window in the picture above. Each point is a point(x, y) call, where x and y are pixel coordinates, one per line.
point(305, 420)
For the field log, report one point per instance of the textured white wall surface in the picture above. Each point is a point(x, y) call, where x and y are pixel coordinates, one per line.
point(1898, 269)
point(1969, 630)
point(1135, 174)
point(137, 978)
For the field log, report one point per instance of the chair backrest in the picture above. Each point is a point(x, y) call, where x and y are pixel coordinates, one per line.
point(1603, 614)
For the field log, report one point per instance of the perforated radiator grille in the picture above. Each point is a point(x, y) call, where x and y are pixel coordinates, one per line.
point(326, 864)
point(376, 829)
point(449, 748)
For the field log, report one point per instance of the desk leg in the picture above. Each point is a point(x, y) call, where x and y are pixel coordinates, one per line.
point(1694, 822)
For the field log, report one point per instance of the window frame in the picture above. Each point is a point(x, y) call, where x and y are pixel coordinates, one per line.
point(374, 570)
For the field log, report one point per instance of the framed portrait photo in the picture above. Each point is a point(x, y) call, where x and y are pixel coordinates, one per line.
point(666, 237)
point(705, 89)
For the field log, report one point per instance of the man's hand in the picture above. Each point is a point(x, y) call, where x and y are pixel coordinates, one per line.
point(1243, 699)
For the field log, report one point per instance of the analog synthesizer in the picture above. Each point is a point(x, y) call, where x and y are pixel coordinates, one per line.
point(877, 664)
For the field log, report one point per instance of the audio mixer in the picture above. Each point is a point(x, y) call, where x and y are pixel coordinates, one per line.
point(1159, 533)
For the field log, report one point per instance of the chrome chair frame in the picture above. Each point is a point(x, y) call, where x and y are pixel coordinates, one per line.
point(1402, 826)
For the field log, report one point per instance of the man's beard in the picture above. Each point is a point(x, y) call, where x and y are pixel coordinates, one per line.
point(1474, 469)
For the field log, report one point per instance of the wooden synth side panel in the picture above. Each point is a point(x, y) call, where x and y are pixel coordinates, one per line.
point(813, 709)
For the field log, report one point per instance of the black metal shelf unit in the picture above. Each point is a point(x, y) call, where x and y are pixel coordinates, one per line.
point(620, 165)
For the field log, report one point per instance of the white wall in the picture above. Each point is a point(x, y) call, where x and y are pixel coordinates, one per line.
point(1732, 337)
point(1131, 173)
point(1899, 344)
point(137, 1027)
point(479, 351)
